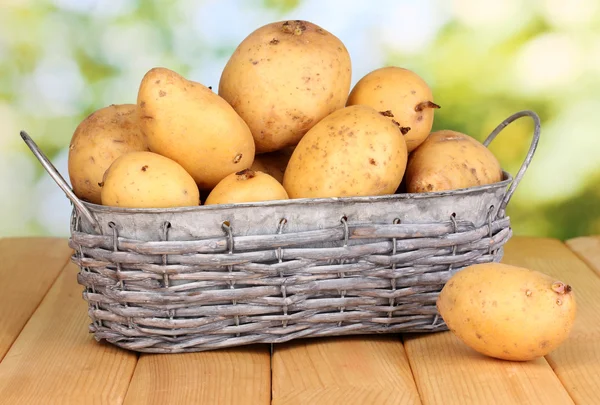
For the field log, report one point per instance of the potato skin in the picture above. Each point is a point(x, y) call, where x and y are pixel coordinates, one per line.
point(402, 92)
point(355, 151)
point(507, 312)
point(188, 123)
point(98, 140)
point(148, 180)
point(450, 160)
point(272, 163)
point(246, 186)
point(283, 78)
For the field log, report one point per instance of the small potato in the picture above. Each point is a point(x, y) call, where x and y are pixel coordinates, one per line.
point(272, 163)
point(450, 160)
point(283, 78)
point(507, 312)
point(98, 140)
point(404, 95)
point(355, 151)
point(148, 180)
point(246, 186)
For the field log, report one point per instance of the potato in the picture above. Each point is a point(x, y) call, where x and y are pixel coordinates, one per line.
point(246, 186)
point(404, 95)
point(97, 141)
point(507, 312)
point(148, 180)
point(450, 160)
point(188, 123)
point(283, 78)
point(272, 163)
point(355, 151)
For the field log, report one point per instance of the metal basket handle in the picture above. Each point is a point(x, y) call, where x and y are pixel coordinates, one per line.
point(534, 142)
point(60, 181)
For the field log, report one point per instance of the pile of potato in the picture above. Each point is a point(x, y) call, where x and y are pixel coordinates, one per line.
point(283, 124)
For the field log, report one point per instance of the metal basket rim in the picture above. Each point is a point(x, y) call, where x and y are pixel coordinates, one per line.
point(306, 201)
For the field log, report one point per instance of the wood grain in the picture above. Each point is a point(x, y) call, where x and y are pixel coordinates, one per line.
point(28, 267)
point(588, 250)
point(449, 372)
point(577, 361)
point(228, 376)
point(351, 370)
point(56, 361)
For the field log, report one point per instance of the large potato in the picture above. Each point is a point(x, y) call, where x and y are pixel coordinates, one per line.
point(97, 141)
point(148, 180)
point(355, 151)
point(507, 312)
point(283, 78)
point(450, 160)
point(246, 186)
point(404, 95)
point(185, 121)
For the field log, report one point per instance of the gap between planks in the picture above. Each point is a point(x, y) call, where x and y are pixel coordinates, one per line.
point(448, 372)
point(343, 370)
point(356, 370)
point(29, 268)
point(225, 376)
point(55, 360)
point(587, 248)
point(578, 364)
point(70, 367)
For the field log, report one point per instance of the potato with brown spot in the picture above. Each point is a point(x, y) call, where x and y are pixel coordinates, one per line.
point(188, 123)
point(246, 186)
point(508, 312)
point(283, 78)
point(403, 96)
point(148, 180)
point(355, 151)
point(450, 160)
point(98, 140)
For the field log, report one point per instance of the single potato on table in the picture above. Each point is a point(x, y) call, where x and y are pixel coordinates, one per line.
point(508, 312)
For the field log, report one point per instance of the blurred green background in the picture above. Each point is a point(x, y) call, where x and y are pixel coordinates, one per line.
point(62, 59)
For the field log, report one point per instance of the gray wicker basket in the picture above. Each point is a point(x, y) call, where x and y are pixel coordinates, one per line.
point(208, 277)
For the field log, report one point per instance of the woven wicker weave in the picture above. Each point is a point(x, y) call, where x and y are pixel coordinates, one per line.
point(200, 278)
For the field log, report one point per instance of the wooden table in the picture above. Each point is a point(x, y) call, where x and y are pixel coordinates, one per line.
point(48, 357)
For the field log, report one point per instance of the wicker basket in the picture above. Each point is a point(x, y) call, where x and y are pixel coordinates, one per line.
point(208, 277)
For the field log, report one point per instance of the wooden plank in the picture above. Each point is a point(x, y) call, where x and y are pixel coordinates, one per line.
point(346, 370)
point(449, 372)
point(577, 361)
point(588, 250)
point(28, 268)
point(226, 376)
point(56, 361)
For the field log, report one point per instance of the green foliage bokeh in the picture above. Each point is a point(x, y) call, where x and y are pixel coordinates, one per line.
point(473, 69)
